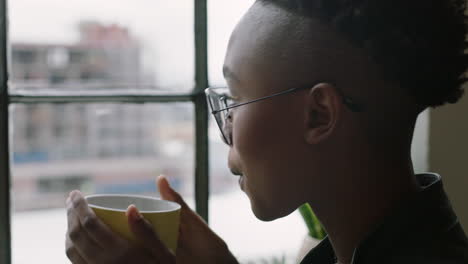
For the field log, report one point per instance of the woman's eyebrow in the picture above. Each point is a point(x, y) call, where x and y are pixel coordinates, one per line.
point(230, 75)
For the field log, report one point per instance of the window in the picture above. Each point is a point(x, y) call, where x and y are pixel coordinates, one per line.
point(23, 56)
point(50, 185)
point(92, 102)
point(103, 98)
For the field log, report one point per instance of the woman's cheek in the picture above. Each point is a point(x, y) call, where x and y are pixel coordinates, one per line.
point(247, 134)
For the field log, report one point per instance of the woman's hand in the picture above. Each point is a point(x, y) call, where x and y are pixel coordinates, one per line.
point(90, 241)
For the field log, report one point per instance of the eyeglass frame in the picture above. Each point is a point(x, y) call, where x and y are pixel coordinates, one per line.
point(348, 101)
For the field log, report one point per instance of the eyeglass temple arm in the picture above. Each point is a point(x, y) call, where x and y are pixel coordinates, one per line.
point(346, 101)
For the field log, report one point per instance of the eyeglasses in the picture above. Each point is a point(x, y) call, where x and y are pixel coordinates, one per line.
point(221, 101)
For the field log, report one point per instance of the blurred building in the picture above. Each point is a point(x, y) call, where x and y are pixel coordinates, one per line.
point(104, 55)
point(93, 147)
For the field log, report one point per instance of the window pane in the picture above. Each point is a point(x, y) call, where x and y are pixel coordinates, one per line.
point(102, 44)
point(97, 148)
point(223, 16)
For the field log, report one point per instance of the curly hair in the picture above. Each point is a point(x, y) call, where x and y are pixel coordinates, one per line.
point(419, 44)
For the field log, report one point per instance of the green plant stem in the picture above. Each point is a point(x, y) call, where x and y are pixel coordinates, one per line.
point(313, 224)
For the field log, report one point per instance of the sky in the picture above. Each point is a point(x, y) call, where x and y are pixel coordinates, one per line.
point(165, 29)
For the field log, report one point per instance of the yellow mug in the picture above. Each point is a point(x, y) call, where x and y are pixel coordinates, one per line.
point(163, 215)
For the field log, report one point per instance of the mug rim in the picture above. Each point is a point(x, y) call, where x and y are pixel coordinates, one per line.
point(176, 205)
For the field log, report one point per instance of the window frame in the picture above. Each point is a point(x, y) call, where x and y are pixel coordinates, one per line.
point(196, 96)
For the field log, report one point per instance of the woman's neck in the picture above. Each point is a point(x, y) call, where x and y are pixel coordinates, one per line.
point(354, 208)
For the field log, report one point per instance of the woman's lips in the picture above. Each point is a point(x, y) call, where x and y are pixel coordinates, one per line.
point(241, 177)
point(241, 182)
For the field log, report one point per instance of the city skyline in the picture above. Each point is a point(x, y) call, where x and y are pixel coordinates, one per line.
point(165, 29)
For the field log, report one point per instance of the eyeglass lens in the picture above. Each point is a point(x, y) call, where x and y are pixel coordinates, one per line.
point(220, 101)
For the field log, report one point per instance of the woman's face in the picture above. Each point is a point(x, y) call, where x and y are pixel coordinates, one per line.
point(268, 150)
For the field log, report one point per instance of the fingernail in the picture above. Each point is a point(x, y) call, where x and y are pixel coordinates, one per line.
point(71, 197)
point(73, 194)
point(136, 214)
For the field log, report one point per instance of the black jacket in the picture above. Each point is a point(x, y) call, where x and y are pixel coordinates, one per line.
point(425, 230)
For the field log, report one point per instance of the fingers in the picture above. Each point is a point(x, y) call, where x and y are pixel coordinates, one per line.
point(188, 217)
point(146, 235)
point(79, 243)
point(72, 253)
point(83, 220)
point(79, 246)
point(76, 255)
point(167, 193)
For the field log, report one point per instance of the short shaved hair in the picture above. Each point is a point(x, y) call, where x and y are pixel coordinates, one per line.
point(419, 45)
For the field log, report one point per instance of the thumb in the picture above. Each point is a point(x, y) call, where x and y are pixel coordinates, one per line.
point(167, 193)
point(146, 235)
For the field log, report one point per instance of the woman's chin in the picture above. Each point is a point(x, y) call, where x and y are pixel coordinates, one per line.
point(263, 213)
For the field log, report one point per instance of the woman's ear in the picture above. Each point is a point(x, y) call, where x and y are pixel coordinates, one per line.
point(322, 112)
